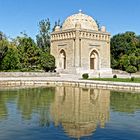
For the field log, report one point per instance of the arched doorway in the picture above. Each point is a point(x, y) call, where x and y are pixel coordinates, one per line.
point(94, 60)
point(62, 60)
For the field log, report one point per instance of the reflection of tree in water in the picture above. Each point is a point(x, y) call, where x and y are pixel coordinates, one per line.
point(125, 102)
point(36, 101)
point(80, 110)
point(29, 101)
point(5, 97)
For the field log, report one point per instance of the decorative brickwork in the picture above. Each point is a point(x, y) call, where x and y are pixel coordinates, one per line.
point(78, 38)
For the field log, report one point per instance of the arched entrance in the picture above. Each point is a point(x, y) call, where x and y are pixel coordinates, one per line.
point(94, 60)
point(62, 59)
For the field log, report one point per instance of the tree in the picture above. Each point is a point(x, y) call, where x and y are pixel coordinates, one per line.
point(47, 62)
point(3, 46)
point(138, 63)
point(125, 50)
point(131, 69)
point(28, 51)
point(43, 38)
point(11, 61)
point(2, 36)
point(123, 44)
point(124, 62)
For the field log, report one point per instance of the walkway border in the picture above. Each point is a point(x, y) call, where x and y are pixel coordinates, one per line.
point(19, 82)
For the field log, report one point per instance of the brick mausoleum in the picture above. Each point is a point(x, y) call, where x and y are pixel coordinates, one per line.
point(80, 46)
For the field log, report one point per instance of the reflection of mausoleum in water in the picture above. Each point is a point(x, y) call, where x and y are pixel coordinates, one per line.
point(80, 110)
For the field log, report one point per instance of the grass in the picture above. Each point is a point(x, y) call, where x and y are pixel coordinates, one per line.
point(136, 80)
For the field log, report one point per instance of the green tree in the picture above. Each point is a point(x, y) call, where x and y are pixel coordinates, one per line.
point(124, 62)
point(47, 62)
point(131, 69)
point(29, 53)
point(3, 49)
point(11, 60)
point(123, 44)
point(3, 46)
point(43, 38)
point(2, 36)
point(125, 50)
point(138, 63)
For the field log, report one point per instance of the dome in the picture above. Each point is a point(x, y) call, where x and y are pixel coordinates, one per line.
point(87, 22)
point(57, 28)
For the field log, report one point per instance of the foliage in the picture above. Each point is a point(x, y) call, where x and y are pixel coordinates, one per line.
point(131, 69)
point(2, 36)
point(29, 52)
point(47, 62)
point(85, 76)
point(132, 78)
point(3, 49)
point(115, 76)
point(3, 46)
point(43, 38)
point(125, 51)
point(11, 60)
point(23, 54)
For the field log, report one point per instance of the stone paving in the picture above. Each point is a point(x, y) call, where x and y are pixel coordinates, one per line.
point(67, 80)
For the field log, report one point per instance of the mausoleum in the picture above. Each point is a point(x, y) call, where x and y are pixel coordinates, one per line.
point(80, 46)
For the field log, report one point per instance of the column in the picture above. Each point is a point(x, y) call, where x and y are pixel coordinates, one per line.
point(77, 50)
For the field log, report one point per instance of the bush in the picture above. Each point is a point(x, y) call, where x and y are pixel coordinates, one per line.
point(131, 69)
point(115, 76)
point(132, 78)
point(85, 76)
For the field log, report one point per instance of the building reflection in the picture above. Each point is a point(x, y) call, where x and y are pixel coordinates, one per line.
point(80, 110)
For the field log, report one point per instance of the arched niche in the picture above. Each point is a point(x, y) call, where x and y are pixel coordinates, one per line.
point(62, 59)
point(94, 60)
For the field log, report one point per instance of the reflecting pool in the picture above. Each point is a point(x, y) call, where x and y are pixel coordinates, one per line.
point(65, 113)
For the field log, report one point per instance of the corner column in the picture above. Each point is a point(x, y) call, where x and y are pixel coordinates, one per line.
point(77, 49)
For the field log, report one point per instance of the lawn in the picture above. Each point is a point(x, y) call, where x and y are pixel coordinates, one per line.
point(135, 80)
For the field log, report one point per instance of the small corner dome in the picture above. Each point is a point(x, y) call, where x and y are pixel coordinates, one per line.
point(57, 28)
point(103, 29)
point(87, 22)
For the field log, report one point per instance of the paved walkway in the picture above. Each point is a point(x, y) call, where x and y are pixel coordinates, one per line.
point(67, 78)
point(62, 77)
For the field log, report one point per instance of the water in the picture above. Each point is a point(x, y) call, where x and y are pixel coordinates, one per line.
point(65, 113)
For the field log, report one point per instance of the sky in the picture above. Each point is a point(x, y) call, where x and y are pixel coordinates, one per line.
point(18, 16)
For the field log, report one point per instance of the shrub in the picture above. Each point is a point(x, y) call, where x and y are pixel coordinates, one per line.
point(131, 69)
point(132, 78)
point(115, 76)
point(85, 76)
